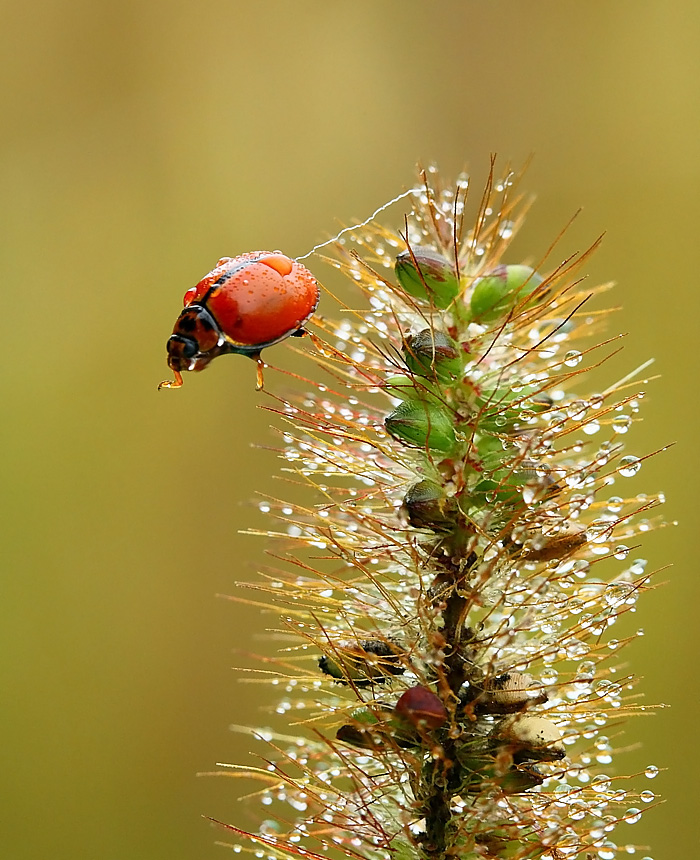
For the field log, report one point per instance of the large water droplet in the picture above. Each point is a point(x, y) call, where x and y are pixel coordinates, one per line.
point(572, 358)
point(600, 783)
point(621, 424)
point(506, 229)
point(577, 810)
point(651, 772)
point(576, 409)
point(632, 815)
point(575, 648)
point(616, 593)
point(607, 851)
point(629, 466)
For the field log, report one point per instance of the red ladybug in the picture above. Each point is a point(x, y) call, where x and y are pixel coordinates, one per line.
point(242, 306)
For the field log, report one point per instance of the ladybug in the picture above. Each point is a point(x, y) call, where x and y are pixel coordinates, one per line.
point(243, 305)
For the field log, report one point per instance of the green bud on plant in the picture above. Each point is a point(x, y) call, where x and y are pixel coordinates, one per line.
point(376, 727)
point(434, 279)
point(495, 293)
point(422, 425)
point(491, 451)
point(481, 772)
point(364, 662)
point(433, 354)
point(518, 780)
point(428, 507)
point(405, 387)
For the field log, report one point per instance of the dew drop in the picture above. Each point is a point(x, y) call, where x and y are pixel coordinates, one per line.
point(572, 358)
point(621, 424)
point(586, 670)
point(629, 466)
point(632, 815)
point(651, 772)
point(506, 229)
point(600, 783)
point(577, 813)
point(576, 409)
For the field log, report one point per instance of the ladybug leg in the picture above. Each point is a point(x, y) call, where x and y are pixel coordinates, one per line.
point(172, 383)
point(260, 381)
point(300, 332)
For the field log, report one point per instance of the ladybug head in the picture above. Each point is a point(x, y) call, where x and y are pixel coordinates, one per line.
point(195, 341)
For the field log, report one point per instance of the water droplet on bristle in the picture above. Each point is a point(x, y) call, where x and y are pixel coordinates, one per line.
point(572, 358)
point(629, 466)
point(632, 815)
point(621, 424)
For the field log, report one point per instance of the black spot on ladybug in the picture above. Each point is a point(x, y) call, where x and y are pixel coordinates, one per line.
point(187, 322)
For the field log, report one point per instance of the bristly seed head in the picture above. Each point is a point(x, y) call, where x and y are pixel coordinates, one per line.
point(452, 586)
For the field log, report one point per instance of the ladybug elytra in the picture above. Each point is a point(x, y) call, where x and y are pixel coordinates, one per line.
point(243, 305)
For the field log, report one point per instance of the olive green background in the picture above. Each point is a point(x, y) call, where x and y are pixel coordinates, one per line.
point(143, 139)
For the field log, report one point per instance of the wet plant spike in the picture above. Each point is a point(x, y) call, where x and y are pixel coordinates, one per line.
point(451, 682)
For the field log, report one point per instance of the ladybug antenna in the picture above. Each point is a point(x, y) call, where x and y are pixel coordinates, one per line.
point(335, 238)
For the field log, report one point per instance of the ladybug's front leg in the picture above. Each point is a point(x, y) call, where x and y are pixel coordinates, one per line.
point(168, 383)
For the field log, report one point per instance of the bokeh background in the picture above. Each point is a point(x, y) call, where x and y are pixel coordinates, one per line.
point(142, 139)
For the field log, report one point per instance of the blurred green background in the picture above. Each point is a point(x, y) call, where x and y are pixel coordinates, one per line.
point(143, 139)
